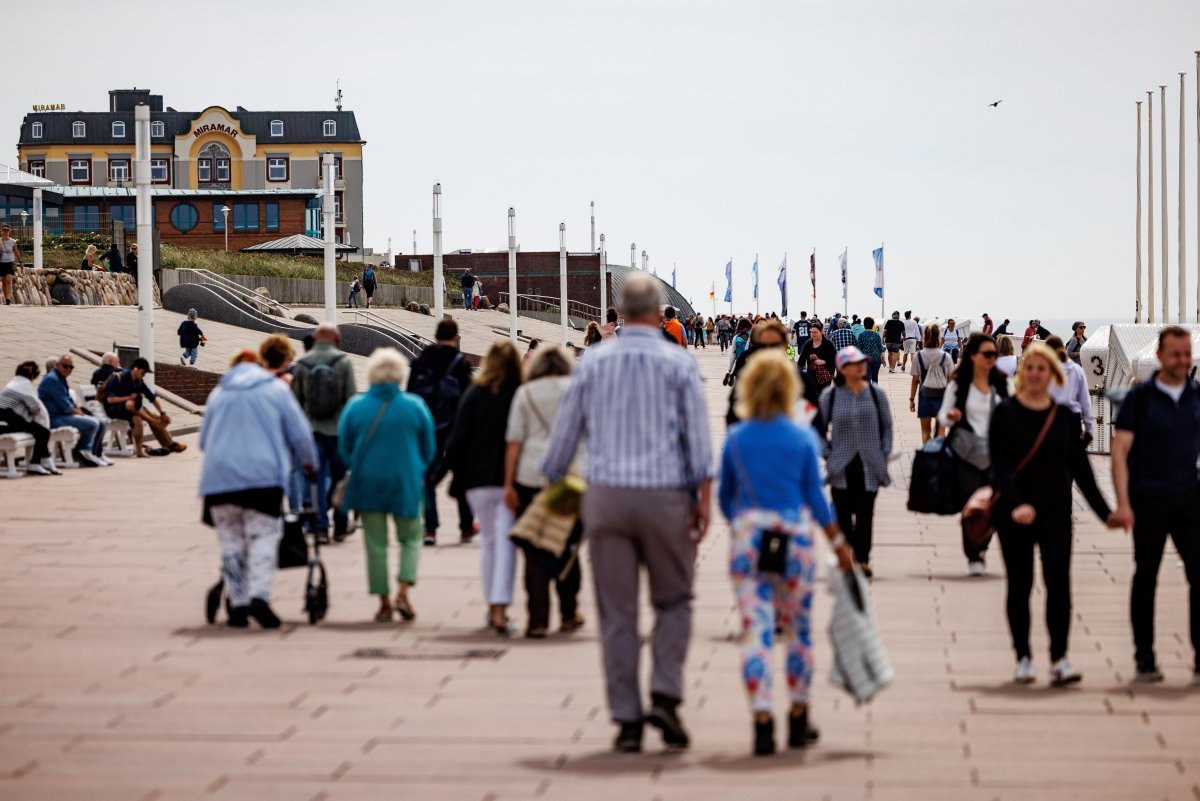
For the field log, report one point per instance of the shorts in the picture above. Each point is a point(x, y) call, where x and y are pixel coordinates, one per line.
point(893, 347)
point(7, 268)
point(910, 346)
point(928, 407)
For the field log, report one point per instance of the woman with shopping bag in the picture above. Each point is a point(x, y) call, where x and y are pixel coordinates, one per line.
point(771, 491)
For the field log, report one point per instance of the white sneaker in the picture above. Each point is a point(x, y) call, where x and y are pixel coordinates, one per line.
point(1025, 674)
point(976, 568)
point(51, 468)
point(104, 461)
point(90, 458)
point(1063, 673)
point(37, 470)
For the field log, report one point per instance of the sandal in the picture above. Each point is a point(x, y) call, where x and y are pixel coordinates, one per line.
point(405, 610)
point(384, 615)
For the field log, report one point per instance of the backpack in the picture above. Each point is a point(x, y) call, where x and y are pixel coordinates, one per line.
point(933, 378)
point(440, 393)
point(323, 395)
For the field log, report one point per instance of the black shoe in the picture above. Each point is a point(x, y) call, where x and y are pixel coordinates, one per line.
point(764, 737)
point(239, 617)
point(664, 716)
point(1148, 673)
point(629, 738)
point(212, 603)
point(340, 536)
point(261, 612)
point(322, 538)
point(800, 732)
point(430, 539)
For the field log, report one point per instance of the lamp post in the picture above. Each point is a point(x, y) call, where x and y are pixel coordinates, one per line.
point(562, 278)
point(439, 287)
point(327, 213)
point(225, 213)
point(633, 255)
point(1150, 207)
point(24, 218)
point(512, 274)
point(37, 229)
point(145, 232)
point(603, 280)
point(593, 250)
point(645, 261)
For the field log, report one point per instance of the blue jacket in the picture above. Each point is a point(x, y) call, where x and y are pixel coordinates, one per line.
point(772, 465)
point(387, 474)
point(55, 396)
point(253, 432)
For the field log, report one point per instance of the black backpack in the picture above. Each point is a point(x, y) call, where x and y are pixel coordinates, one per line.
point(441, 393)
point(323, 392)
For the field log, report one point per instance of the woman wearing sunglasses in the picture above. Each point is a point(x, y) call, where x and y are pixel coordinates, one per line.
point(974, 391)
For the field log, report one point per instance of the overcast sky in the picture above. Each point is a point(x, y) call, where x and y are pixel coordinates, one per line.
point(707, 130)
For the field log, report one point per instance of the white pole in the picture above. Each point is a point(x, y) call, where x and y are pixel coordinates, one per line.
point(1150, 207)
point(603, 280)
point(1198, 186)
point(414, 250)
point(562, 278)
point(327, 224)
point(1162, 156)
point(439, 282)
point(145, 232)
point(1137, 301)
point(756, 292)
point(593, 226)
point(512, 274)
point(1182, 227)
point(633, 255)
point(645, 261)
point(37, 229)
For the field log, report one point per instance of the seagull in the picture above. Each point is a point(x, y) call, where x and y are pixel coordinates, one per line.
point(996, 104)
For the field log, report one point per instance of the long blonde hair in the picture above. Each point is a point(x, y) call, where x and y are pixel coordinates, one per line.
point(1037, 350)
point(768, 386)
point(501, 365)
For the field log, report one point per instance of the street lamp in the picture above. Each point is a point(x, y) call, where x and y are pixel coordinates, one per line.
point(225, 213)
point(24, 217)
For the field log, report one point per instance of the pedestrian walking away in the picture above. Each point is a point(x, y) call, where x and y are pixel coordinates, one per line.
point(369, 283)
point(771, 492)
point(1154, 455)
point(912, 339)
point(468, 290)
point(930, 370)
point(1032, 507)
point(871, 344)
point(355, 288)
point(385, 437)
point(858, 422)
point(893, 338)
point(649, 472)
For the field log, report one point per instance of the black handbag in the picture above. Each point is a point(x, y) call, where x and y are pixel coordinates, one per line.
point(933, 487)
point(293, 546)
point(772, 543)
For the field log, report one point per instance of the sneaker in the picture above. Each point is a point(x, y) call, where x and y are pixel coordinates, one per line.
point(104, 460)
point(37, 470)
point(1064, 673)
point(664, 716)
point(183, 361)
point(867, 572)
point(1025, 674)
point(976, 569)
point(764, 737)
point(430, 539)
point(629, 738)
point(1148, 674)
point(89, 458)
point(51, 467)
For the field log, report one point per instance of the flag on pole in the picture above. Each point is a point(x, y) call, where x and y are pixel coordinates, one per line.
point(812, 271)
point(844, 285)
point(672, 276)
point(877, 253)
point(712, 295)
point(782, 281)
point(755, 270)
point(729, 281)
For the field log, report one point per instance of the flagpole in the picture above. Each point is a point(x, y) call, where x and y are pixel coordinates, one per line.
point(729, 285)
point(846, 281)
point(812, 266)
point(882, 291)
point(756, 293)
point(1150, 207)
point(1182, 229)
point(1137, 297)
point(1162, 156)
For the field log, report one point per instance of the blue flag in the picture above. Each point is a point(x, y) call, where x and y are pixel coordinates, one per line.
point(877, 253)
point(729, 281)
point(755, 269)
point(782, 281)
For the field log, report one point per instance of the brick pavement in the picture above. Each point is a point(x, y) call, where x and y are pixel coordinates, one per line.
point(112, 688)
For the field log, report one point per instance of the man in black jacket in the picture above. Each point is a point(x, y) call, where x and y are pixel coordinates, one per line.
point(468, 289)
point(440, 375)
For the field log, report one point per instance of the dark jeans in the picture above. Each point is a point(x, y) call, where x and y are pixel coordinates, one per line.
point(873, 365)
point(1051, 534)
point(466, 518)
point(856, 511)
point(329, 474)
point(1154, 519)
point(540, 572)
point(953, 354)
point(13, 423)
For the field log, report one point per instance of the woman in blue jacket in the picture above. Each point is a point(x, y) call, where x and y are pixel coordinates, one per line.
point(770, 491)
point(385, 437)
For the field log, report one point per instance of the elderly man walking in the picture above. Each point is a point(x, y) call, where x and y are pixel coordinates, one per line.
point(638, 402)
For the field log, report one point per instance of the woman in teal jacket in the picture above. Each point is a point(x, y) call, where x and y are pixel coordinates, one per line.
point(386, 438)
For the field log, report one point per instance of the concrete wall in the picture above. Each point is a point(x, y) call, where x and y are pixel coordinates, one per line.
point(307, 291)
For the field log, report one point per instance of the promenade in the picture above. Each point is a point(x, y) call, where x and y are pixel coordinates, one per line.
point(112, 688)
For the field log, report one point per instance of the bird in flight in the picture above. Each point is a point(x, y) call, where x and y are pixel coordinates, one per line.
point(996, 104)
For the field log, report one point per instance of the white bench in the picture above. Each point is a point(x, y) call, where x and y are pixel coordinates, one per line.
point(12, 448)
point(122, 439)
point(62, 442)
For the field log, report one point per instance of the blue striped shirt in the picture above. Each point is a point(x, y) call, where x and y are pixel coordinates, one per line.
point(637, 399)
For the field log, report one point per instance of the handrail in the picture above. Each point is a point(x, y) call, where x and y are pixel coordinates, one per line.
point(209, 277)
point(382, 322)
point(575, 308)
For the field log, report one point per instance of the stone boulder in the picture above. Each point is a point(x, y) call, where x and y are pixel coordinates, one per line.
point(424, 309)
point(414, 307)
point(304, 317)
point(503, 308)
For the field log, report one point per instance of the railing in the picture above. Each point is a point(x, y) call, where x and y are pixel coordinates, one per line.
point(411, 341)
point(548, 304)
point(249, 295)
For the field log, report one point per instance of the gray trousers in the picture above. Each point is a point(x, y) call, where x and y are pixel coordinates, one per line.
point(625, 529)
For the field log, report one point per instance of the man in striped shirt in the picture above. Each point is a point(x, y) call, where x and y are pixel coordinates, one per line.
point(637, 400)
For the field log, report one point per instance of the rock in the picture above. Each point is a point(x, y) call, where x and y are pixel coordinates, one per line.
point(64, 294)
point(414, 307)
point(425, 309)
point(304, 317)
point(49, 287)
point(503, 308)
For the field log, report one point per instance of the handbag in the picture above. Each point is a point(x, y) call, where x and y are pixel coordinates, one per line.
point(773, 543)
point(541, 526)
point(977, 513)
point(337, 498)
point(969, 446)
point(933, 486)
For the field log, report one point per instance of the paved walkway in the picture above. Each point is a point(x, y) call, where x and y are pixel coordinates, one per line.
point(111, 686)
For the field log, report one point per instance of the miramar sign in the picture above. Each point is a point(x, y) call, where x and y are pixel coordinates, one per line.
point(49, 106)
point(228, 130)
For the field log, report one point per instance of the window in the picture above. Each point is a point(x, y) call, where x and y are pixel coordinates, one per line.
point(37, 168)
point(158, 128)
point(276, 127)
point(212, 166)
point(337, 170)
point(277, 169)
point(81, 171)
point(87, 218)
point(125, 214)
point(184, 217)
point(223, 171)
point(245, 216)
point(78, 130)
point(118, 171)
point(204, 171)
point(272, 216)
point(218, 217)
point(160, 171)
point(337, 209)
point(118, 130)
point(35, 131)
point(329, 128)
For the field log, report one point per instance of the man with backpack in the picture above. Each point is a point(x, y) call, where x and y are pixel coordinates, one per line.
point(468, 290)
point(440, 375)
point(369, 283)
point(323, 381)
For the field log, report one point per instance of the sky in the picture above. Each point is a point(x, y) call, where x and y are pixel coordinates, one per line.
point(706, 131)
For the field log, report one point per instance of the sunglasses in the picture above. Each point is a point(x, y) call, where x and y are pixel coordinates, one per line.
point(68, 366)
point(988, 354)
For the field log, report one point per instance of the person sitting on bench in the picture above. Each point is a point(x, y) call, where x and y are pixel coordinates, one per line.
point(123, 396)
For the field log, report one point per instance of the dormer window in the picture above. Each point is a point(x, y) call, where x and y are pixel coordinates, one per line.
point(78, 129)
point(118, 130)
point(158, 129)
point(276, 127)
point(35, 131)
point(329, 128)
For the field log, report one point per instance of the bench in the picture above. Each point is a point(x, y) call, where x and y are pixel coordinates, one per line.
point(62, 442)
point(12, 448)
point(122, 439)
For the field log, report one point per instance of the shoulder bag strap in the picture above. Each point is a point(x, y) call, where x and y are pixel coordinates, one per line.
point(538, 414)
point(371, 433)
point(1041, 438)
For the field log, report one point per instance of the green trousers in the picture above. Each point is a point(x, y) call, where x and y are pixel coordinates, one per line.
point(409, 531)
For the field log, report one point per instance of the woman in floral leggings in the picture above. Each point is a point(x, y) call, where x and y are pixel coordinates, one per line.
point(771, 491)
